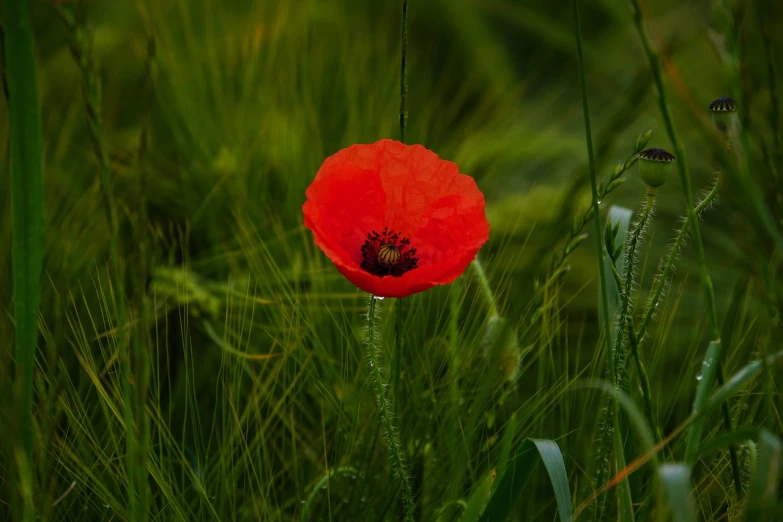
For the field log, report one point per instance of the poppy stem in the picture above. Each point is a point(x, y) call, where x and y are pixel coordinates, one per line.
point(403, 72)
point(385, 409)
point(489, 296)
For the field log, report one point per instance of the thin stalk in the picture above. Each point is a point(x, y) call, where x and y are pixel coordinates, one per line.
point(403, 127)
point(403, 71)
point(685, 179)
point(385, 411)
point(774, 112)
point(576, 237)
point(27, 249)
point(81, 50)
point(624, 492)
point(489, 296)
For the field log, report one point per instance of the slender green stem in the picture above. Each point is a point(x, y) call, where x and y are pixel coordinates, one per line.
point(774, 112)
point(618, 451)
point(489, 296)
point(27, 202)
point(385, 410)
point(575, 237)
point(682, 168)
point(593, 183)
point(403, 71)
point(403, 128)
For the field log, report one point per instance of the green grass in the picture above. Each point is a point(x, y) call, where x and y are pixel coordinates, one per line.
point(198, 358)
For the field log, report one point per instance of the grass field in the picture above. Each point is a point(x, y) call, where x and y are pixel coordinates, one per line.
point(175, 347)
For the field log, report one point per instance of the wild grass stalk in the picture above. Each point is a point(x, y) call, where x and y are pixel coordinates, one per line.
point(398, 323)
point(385, 409)
point(27, 196)
point(626, 510)
point(682, 168)
point(129, 354)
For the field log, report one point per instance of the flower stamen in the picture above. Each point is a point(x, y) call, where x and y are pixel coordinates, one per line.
point(386, 254)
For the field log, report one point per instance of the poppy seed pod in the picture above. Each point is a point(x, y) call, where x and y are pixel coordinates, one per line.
point(724, 113)
point(655, 166)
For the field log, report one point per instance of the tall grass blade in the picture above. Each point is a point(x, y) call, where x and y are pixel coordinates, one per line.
point(705, 379)
point(518, 473)
point(27, 201)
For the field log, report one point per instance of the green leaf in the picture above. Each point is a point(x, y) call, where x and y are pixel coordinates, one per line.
point(24, 116)
point(618, 217)
point(513, 481)
point(724, 440)
point(676, 482)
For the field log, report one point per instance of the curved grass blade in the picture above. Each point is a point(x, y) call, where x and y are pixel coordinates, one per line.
point(676, 481)
point(519, 471)
point(346, 470)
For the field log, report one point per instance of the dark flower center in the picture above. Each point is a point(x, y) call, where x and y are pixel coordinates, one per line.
point(386, 254)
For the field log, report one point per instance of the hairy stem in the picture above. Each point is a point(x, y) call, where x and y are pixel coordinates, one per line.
point(668, 265)
point(385, 410)
point(626, 321)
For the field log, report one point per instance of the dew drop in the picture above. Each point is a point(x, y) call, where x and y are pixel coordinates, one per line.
point(301, 501)
point(599, 201)
point(377, 298)
point(698, 377)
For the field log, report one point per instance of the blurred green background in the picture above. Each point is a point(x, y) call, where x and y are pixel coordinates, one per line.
point(216, 116)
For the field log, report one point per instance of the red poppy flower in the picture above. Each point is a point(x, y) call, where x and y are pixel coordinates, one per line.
point(395, 219)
